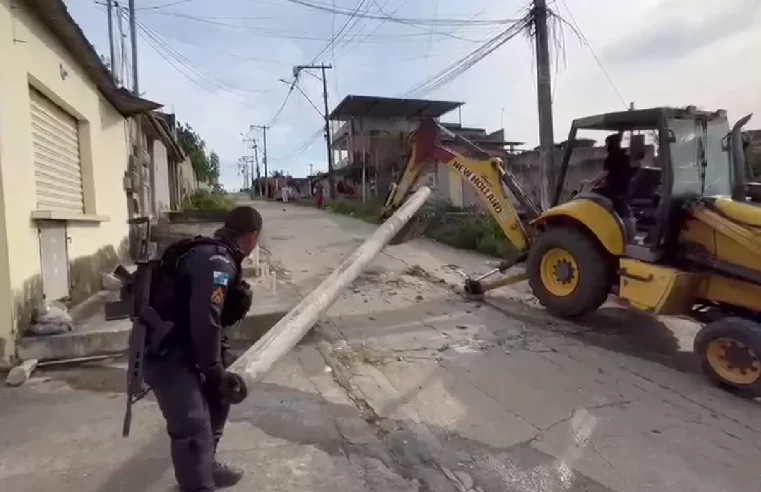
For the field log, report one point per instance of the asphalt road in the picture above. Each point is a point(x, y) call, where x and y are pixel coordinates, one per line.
point(406, 386)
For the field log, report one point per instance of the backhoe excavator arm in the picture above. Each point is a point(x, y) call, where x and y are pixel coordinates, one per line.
point(485, 174)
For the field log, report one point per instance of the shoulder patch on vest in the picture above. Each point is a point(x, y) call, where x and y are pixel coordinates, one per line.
point(221, 278)
point(218, 296)
point(221, 258)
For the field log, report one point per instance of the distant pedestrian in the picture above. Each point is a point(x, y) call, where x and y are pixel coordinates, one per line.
point(319, 198)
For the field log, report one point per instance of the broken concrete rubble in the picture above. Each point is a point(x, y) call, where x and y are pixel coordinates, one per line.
point(20, 373)
point(50, 319)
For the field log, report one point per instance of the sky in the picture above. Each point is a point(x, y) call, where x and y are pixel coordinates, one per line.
point(224, 65)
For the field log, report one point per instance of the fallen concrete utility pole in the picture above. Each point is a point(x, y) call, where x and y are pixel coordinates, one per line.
point(279, 340)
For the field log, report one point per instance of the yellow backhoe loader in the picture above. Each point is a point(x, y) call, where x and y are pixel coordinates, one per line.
point(693, 248)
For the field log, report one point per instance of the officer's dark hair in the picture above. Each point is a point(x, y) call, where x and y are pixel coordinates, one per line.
point(243, 220)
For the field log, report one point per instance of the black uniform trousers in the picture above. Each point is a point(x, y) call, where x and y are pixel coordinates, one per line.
point(194, 423)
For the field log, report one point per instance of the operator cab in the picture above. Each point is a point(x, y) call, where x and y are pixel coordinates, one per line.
point(678, 155)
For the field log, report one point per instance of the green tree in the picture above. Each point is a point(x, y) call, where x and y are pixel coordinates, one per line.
point(205, 163)
point(213, 167)
point(277, 173)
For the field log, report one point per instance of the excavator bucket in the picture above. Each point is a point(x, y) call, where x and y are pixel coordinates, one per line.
point(465, 161)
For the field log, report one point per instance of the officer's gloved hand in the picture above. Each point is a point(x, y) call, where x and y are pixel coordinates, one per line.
point(224, 386)
point(237, 304)
point(236, 390)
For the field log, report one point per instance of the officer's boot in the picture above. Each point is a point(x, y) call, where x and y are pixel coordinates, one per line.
point(224, 475)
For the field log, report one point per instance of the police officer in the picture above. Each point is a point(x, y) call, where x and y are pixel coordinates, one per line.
point(198, 287)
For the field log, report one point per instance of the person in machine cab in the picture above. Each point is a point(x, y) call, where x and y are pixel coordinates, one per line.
point(613, 181)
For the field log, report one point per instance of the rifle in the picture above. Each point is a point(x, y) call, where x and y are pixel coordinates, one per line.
point(144, 318)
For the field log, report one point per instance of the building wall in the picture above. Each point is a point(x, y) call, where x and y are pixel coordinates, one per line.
point(161, 197)
point(378, 124)
point(187, 180)
point(586, 162)
point(754, 152)
point(29, 54)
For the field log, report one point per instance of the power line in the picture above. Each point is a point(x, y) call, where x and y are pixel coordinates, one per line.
point(282, 34)
point(417, 25)
point(282, 106)
point(305, 96)
point(452, 32)
point(337, 35)
point(225, 52)
point(460, 66)
point(176, 60)
point(156, 47)
point(577, 30)
point(357, 22)
point(165, 5)
point(179, 57)
point(430, 38)
point(421, 21)
point(379, 24)
point(333, 48)
point(301, 147)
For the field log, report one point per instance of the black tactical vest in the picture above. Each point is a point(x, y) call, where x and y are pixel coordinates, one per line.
point(169, 293)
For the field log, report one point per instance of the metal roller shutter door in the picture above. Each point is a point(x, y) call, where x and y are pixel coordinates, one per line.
point(57, 164)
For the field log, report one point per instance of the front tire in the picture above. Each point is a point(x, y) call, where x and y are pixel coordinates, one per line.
point(729, 351)
point(568, 272)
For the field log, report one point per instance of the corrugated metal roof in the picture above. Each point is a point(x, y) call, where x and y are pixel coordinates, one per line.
point(389, 107)
point(56, 17)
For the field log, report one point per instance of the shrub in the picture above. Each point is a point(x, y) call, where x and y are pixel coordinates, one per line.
point(471, 230)
point(206, 200)
point(467, 229)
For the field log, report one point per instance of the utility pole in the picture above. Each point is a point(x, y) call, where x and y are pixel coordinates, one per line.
point(264, 129)
point(322, 68)
point(544, 99)
point(133, 37)
point(255, 162)
point(243, 170)
point(122, 49)
point(138, 141)
point(111, 46)
point(249, 160)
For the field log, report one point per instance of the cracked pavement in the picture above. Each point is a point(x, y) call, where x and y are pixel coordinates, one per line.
point(498, 395)
point(406, 386)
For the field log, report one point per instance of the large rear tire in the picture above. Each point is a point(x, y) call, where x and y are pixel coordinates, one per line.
point(569, 273)
point(729, 351)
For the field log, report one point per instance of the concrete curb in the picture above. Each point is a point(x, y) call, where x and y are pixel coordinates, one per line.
point(113, 341)
point(74, 345)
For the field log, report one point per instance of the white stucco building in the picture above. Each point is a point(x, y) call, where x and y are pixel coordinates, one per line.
point(63, 159)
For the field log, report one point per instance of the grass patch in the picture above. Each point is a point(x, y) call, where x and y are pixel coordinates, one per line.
point(471, 230)
point(369, 212)
point(208, 201)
